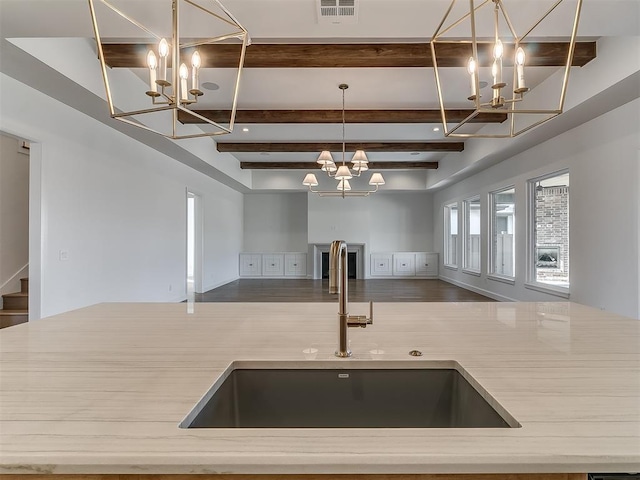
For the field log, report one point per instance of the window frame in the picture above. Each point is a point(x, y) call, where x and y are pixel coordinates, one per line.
point(466, 224)
point(531, 281)
point(447, 235)
point(491, 274)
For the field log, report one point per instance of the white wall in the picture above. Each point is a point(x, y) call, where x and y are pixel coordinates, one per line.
point(275, 222)
point(401, 222)
point(14, 214)
point(115, 208)
point(602, 158)
point(288, 222)
point(385, 221)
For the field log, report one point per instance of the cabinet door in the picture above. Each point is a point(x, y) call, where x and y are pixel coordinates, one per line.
point(427, 264)
point(273, 265)
point(295, 264)
point(381, 264)
point(250, 265)
point(404, 265)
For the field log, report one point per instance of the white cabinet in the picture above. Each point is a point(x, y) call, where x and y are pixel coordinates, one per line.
point(295, 264)
point(404, 265)
point(426, 264)
point(381, 264)
point(292, 264)
point(250, 264)
point(272, 264)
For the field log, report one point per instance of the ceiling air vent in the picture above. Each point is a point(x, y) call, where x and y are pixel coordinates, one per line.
point(337, 12)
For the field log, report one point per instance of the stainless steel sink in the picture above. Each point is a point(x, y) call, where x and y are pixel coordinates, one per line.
point(436, 395)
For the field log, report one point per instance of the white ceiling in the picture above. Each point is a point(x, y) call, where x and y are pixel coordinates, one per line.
point(33, 25)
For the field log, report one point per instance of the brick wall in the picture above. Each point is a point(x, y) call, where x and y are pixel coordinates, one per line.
point(552, 230)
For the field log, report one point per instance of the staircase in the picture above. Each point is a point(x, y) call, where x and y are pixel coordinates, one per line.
point(15, 306)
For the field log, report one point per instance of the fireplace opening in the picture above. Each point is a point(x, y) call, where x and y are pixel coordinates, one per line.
point(351, 264)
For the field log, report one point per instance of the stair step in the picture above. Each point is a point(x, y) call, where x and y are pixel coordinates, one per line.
point(15, 301)
point(24, 285)
point(5, 312)
point(9, 318)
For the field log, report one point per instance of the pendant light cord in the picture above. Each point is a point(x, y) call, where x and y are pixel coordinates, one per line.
point(343, 129)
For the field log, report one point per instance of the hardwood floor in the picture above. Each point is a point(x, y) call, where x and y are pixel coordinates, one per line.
point(303, 290)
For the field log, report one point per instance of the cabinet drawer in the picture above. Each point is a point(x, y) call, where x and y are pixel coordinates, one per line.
point(427, 264)
point(381, 264)
point(295, 264)
point(404, 264)
point(250, 265)
point(273, 265)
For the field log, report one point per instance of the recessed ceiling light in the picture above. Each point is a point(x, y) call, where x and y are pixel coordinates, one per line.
point(245, 129)
point(210, 86)
point(436, 129)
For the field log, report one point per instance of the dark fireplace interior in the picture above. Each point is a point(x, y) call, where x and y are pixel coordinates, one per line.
point(351, 264)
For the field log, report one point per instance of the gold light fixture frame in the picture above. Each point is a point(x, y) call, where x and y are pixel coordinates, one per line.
point(510, 105)
point(171, 102)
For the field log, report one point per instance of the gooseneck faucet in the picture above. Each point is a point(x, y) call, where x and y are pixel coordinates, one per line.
point(338, 284)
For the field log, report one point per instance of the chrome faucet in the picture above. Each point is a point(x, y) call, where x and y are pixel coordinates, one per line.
point(338, 284)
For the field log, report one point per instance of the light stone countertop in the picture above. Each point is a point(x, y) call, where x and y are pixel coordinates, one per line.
point(103, 389)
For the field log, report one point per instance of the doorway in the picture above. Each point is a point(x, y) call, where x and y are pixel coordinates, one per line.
point(194, 245)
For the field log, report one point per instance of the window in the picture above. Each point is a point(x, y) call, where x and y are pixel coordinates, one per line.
point(549, 231)
point(472, 235)
point(502, 251)
point(451, 235)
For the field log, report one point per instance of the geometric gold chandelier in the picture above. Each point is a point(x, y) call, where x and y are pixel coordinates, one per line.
point(342, 173)
point(496, 62)
point(175, 39)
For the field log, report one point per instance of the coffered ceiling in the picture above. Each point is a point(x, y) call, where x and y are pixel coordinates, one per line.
point(289, 104)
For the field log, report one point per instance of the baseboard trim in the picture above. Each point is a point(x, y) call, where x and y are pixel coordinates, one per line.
point(481, 291)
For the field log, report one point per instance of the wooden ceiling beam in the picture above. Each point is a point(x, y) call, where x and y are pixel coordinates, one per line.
point(552, 54)
point(335, 116)
point(244, 147)
point(314, 166)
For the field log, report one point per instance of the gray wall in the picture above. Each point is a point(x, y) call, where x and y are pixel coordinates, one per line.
point(383, 222)
point(116, 209)
point(603, 162)
point(275, 222)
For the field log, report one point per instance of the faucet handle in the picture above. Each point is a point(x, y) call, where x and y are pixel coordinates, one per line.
point(361, 320)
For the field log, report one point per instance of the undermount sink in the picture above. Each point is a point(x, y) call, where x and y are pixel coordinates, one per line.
point(265, 395)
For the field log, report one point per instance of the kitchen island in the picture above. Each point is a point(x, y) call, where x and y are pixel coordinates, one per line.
point(101, 390)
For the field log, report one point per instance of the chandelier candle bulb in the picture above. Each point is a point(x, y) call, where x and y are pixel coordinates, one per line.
point(520, 59)
point(163, 52)
point(184, 76)
point(195, 63)
point(471, 68)
point(497, 64)
point(152, 62)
